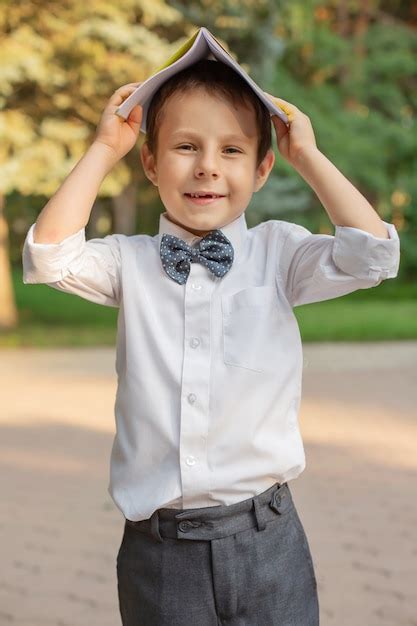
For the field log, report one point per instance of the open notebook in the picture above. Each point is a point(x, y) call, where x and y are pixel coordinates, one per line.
point(202, 45)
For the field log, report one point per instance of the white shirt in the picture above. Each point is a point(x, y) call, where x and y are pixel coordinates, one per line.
point(209, 372)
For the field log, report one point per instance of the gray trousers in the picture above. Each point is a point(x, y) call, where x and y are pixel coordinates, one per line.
point(246, 564)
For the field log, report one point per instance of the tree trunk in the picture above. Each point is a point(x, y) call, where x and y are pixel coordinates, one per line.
point(98, 214)
point(8, 310)
point(124, 211)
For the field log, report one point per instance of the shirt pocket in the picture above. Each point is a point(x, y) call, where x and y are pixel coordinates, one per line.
point(251, 328)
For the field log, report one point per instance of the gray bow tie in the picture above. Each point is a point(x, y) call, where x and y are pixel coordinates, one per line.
point(214, 251)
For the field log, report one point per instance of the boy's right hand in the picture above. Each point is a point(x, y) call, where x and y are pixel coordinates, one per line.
point(113, 131)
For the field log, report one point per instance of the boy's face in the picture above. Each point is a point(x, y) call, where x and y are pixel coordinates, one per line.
point(206, 144)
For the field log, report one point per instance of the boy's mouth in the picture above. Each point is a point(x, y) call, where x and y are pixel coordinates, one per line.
point(203, 197)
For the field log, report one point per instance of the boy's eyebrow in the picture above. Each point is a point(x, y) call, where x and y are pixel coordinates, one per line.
point(231, 137)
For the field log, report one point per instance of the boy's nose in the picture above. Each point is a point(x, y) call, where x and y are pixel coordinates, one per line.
point(200, 173)
point(207, 169)
point(207, 165)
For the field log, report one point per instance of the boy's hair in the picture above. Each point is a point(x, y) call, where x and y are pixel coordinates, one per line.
point(216, 78)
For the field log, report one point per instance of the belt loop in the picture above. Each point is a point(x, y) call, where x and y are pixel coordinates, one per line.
point(155, 526)
point(260, 520)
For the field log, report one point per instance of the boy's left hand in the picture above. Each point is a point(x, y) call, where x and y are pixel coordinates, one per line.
point(293, 139)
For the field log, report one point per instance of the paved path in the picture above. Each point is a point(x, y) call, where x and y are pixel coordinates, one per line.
point(60, 531)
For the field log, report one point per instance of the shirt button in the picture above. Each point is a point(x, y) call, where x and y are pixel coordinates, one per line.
point(195, 342)
point(195, 286)
point(192, 398)
point(190, 460)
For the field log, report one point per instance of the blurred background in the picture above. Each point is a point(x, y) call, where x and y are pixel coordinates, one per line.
point(350, 65)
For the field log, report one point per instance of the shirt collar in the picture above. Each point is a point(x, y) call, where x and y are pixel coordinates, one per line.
point(235, 231)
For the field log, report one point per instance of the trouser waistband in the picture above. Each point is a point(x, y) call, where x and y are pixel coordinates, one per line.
point(216, 522)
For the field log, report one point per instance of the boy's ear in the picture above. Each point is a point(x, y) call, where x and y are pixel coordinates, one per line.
point(149, 164)
point(264, 170)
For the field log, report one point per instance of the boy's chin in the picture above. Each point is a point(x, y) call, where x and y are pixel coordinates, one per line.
point(198, 230)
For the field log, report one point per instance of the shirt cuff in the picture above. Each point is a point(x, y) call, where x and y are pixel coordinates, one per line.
point(363, 255)
point(49, 262)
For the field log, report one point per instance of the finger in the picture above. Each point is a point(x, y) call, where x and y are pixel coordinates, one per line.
point(288, 112)
point(121, 94)
point(281, 100)
point(135, 116)
point(130, 84)
point(281, 128)
point(287, 107)
point(127, 87)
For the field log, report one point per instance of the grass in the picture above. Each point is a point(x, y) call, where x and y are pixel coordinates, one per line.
point(48, 317)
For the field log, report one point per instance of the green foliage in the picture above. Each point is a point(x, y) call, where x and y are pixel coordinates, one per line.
point(350, 68)
point(359, 91)
point(59, 66)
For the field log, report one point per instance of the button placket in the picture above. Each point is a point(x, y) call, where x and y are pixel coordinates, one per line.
point(195, 385)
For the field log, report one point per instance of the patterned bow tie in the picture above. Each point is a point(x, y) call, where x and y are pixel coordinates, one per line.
point(214, 251)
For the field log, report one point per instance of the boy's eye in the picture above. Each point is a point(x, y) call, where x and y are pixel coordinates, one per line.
point(189, 146)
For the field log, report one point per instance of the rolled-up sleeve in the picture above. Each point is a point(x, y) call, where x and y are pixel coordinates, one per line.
point(89, 269)
point(315, 267)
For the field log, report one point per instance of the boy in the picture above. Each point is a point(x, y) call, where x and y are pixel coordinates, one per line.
point(209, 357)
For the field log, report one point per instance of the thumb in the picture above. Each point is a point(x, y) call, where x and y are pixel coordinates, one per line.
point(135, 116)
point(281, 128)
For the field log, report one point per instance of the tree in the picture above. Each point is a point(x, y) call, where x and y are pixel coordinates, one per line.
point(60, 62)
